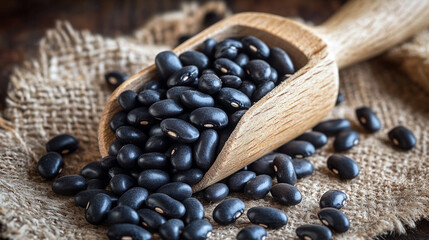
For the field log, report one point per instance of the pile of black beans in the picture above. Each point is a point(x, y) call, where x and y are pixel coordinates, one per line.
point(170, 132)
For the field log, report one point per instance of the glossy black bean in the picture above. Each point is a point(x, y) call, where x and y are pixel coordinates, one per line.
point(115, 171)
point(345, 140)
point(228, 211)
point(179, 130)
point(155, 130)
point(128, 100)
point(247, 88)
point(333, 199)
point(152, 179)
point(368, 119)
point(97, 209)
point(205, 149)
point(313, 232)
point(216, 192)
point(258, 70)
point(334, 219)
point(63, 143)
point(256, 47)
point(120, 183)
point(93, 170)
point(148, 97)
point(285, 171)
point(281, 61)
point(150, 219)
point(171, 230)
point(134, 197)
point(128, 155)
point(238, 180)
point(267, 217)
point(128, 231)
point(252, 232)
point(152, 85)
point(226, 52)
point(122, 214)
point(118, 120)
point(241, 59)
point(190, 176)
point(194, 210)
point(286, 194)
point(402, 137)
point(208, 47)
point(223, 137)
point(174, 93)
point(209, 83)
point(208, 71)
point(140, 117)
point(226, 66)
point(264, 165)
point(343, 166)
point(209, 117)
point(109, 162)
point(274, 77)
point(165, 205)
point(298, 148)
point(197, 230)
point(115, 147)
point(128, 134)
point(262, 90)
point(183, 77)
point(96, 183)
point(50, 165)
point(198, 59)
point(194, 99)
point(317, 139)
point(115, 78)
point(258, 187)
point(177, 190)
point(82, 198)
point(152, 160)
point(233, 99)
point(340, 98)
point(231, 81)
point(165, 108)
point(303, 167)
point(68, 185)
point(332, 127)
point(181, 157)
point(157, 144)
point(229, 42)
point(235, 117)
point(167, 63)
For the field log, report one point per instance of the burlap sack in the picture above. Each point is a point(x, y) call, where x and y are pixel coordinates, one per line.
point(63, 91)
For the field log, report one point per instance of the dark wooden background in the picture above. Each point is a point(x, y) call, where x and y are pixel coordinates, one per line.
point(23, 23)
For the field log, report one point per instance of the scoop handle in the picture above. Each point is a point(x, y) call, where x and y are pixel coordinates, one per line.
point(362, 29)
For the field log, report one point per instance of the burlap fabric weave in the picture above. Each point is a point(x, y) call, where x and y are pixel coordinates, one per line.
point(63, 91)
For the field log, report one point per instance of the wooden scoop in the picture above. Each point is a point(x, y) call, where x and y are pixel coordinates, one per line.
point(360, 30)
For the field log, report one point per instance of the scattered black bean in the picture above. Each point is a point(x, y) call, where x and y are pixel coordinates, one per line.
point(235, 117)
point(286, 194)
point(208, 47)
point(368, 119)
point(343, 166)
point(313, 232)
point(190, 176)
point(185, 76)
point(128, 155)
point(157, 144)
point(167, 63)
point(298, 148)
point(209, 83)
point(317, 139)
point(115, 171)
point(109, 162)
point(150, 219)
point(205, 149)
point(274, 77)
point(195, 99)
point(153, 179)
point(165, 205)
point(303, 167)
point(181, 157)
point(241, 59)
point(115, 147)
point(216, 192)
point(226, 52)
point(179, 130)
point(93, 170)
point(258, 187)
point(345, 140)
point(68, 185)
point(96, 184)
point(238, 180)
point(229, 42)
point(176, 190)
point(128, 134)
point(171, 230)
point(252, 232)
point(262, 90)
point(197, 230)
point(334, 219)
point(127, 231)
point(122, 214)
point(281, 61)
point(128, 100)
point(233, 99)
point(256, 47)
point(332, 127)
point(152, 160)
point(134, 198)
point(267, 217)
point(152, 85)
point(333, 199)
point(247, 88)
point(174, 93)
point(82, 198)
point(118, 120)
point(63, 143)
point(258, 70)
point(97, 209)
point(209, 117)
point(115, 78)
point(264, 165)
point(140, 117)
point(285, 171)
point(120, 183)
point(165, 108)
point(226, 66)
point(50, 165)
point(194, 210)
point(402, 137)
point(148, 97)
point(198, 59)
point(228, 211)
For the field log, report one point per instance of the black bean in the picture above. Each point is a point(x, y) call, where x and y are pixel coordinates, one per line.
point(267, 217)
point(128, 134)
point(340, 98)
point(115, 78)
point(205, 149)
point(152, 85)
point(258, 70)
point(171, 230)
point(152, 179)
point(128, 155)
point(183, 77)
point(317, 139)
point(93, 170)
point(165, 205)
point(181, 157)
point(229, 42)
point(345, 140)
point(241, 59)
point(149, 97)
point(274, 77)
point(332, 127)
point(157, 144)
point(298, 148)
point(194, 99)
point(50, 165)
point(281, 61)
point(155, 130)
point(368, 119)
point(127, 231)
point(285, 171)
point(236, 116)
point(115, 171)
point(238, 180)
point(63, 143)
point(118, 120)
point(97, 209)
point(216, 192)
point(68, 185)
point(209, 83)
point(96, 183)
point(303, 167)
point(82, 198)
point(208, 71)
point(190, 176)
point(223, 137)
point(226, 66)
point(313, 232)
point(264, 165)
point(197, 230)
point(167, 63)
point(196, 58)
point(262, 90)
point(402, 137)
point(334, 219)
point(228, 211)
point(174, 93)
point(343, 166)
point(115, 147)
point(128, 100)
point(179, 130)
point(150, 219)
point(233, 99)
point(209, 117)
point(286, 194)
point(258, 187)
point(333, 199)
point(109, 162)
point(165, 108)
point(231, 81)
point(226, 52)
point(134, 197)
point(256, 47)
point(140, 117)
point(177, 190)
point(152, 160)
point(208, 47)
point(122, 214)
point(252, 232)
point(194, 210)
point(247, 88)
point(120, 183)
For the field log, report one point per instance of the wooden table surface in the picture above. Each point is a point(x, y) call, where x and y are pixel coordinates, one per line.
point(24, 23)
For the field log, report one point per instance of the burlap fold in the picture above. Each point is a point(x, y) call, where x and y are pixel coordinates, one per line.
point(63, 91)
